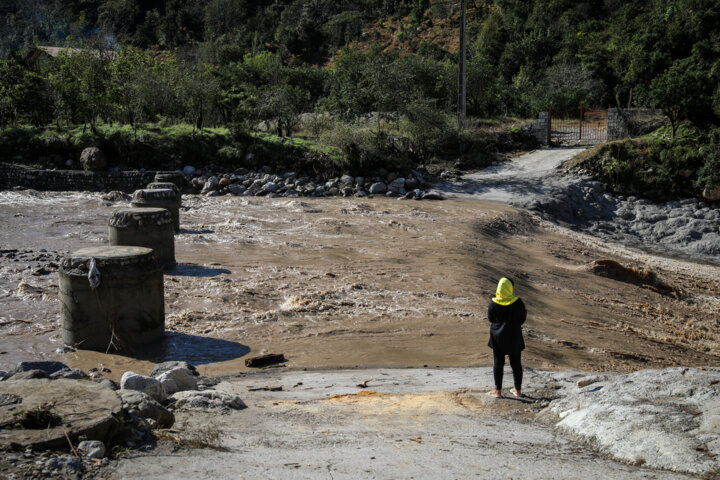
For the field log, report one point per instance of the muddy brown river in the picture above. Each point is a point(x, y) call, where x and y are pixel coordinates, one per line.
point(351, 282)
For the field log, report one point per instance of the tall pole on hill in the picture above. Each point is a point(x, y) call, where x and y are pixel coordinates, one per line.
point(461, 69)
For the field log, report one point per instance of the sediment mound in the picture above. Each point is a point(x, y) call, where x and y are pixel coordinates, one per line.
point(511, 223)
point(636, 276)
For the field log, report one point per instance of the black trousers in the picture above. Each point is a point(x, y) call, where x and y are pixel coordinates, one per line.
point(499, 364)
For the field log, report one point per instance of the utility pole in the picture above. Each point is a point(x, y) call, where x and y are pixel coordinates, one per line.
point(461, 70)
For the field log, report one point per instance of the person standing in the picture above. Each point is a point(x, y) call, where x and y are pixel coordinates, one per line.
point(506, 314)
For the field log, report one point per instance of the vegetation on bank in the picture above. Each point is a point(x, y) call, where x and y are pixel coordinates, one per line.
point(334, 149)
point(366, 83)
point(657, 166)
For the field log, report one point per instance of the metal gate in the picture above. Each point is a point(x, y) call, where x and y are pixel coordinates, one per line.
point(583, 126)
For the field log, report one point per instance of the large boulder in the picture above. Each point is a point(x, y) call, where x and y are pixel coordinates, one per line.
point(93, 159)
point(666, 419)
point(711, 193)
point(141, 383)
point(139, 404)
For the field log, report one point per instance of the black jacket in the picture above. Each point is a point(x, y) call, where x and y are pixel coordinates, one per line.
point(505, 332)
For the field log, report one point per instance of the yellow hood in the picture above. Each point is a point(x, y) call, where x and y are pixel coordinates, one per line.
point(504, 293)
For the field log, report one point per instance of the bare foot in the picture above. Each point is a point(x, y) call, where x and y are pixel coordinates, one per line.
point(516, 392)
point(495, 393)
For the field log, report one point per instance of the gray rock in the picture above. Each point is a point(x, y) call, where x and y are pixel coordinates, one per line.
point(205, 383)
point(210, 185)
point(208, 399)
point(47, 367)
point(418, 176)
point(163, 367)
point(236, 189)
point(71, 373)
point(138, 403)
point(178, 379)
point(378, 188)
point(28, 375)
point(141, 383)
point(270, 187)
point(711, 193)
point(347, 180)
point(664, 419)
point(398, 183)
point(93, 159)
point(66, 464)
point(189, 170)
point(111, 384)
point(91, 449)
point(433, 195)
point(411, 183)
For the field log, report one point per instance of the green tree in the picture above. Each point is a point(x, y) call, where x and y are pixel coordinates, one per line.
point(684, 89)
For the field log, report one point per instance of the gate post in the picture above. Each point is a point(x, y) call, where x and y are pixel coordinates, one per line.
point(581, 120)
point(549, 128)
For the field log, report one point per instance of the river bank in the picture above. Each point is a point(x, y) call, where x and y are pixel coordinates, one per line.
point(537, 182)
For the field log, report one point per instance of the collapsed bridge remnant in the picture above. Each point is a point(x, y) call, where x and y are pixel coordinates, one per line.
point(145, 227)
point(112, 297)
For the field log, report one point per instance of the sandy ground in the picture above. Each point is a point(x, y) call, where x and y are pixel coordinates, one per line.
point(408, 423)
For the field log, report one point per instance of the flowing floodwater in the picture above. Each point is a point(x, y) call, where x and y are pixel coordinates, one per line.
point(346, 282)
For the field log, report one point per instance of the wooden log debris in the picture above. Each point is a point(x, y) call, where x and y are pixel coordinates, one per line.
point(263, 360)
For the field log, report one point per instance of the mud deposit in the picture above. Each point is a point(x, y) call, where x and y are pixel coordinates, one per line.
point(345, 282)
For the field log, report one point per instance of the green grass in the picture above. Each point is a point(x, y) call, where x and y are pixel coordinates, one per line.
point(340, 148)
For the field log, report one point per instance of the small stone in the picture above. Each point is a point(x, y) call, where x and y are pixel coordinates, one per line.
point(236, 189)
point(378, 188)
point(163, 367)
point(91, 449)
point(209, 399)
point(70, 373)
point(66, 464)
point(178, 379)
point(189, 170)
point(138, 403)
point(64, 349)
point(432, 195)
point(141, 383)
